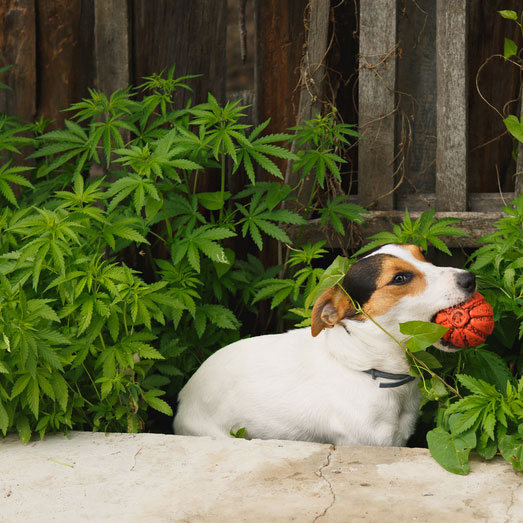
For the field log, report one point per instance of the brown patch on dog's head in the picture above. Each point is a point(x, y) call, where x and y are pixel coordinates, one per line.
point(398, 278)
point(416, 251)
point(330, 308)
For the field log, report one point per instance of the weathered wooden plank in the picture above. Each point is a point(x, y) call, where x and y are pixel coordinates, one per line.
point(312, 78)
point(64, 55)
point(478, 202)
point(17, 45)
point(377, 74)
point(280, 35)
point(111, 35)
point(476, 224)
point(189, 35)
point(417, 97)
point(452, 108)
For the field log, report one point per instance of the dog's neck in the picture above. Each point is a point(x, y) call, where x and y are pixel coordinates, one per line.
point(366, 347)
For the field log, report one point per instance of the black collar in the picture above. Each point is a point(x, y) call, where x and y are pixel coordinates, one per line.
point(402, 379)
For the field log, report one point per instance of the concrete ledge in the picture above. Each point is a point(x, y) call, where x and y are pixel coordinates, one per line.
point(154, 477)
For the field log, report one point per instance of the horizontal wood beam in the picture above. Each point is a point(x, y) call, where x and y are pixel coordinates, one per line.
point(476, 224)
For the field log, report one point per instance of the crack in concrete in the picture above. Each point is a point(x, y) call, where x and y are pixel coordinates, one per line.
point(511, 503)
point(135, 456)
point(319, 473)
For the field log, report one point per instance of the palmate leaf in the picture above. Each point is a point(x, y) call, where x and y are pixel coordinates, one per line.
point(426, 229)
point(152, 399)
point(9, 175)
point(337, 209)
point(218, 315)
point(257, 217)
point(277, 289)
point(259, 150)
point(203, 239)
point(123, 228)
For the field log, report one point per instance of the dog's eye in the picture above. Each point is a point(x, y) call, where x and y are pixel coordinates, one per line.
point(401, 278)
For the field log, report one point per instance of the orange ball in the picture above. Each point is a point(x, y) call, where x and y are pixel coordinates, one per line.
point(469, 323)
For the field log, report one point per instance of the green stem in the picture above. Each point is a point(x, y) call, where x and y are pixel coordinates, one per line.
point(222, 185)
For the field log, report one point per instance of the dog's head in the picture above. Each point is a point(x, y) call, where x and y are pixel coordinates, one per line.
point(393, 285)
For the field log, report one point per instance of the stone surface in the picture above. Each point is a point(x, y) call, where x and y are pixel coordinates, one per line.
point(153, 477)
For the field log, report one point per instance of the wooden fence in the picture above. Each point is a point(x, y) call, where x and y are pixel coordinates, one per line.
point(406, 160)
point(406, 71)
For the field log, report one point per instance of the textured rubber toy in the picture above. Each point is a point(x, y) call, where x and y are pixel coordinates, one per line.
point(469, 323)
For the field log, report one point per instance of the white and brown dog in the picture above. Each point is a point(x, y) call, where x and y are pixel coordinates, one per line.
point(346, 384)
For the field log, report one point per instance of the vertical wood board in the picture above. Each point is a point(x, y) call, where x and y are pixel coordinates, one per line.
point(377, 75)
point(312, 78)
point(452, 108)
point(280, 35)
point(64, 55)
point(189, 35)
point(111, 32)
point(17, 45)
point(416, 80)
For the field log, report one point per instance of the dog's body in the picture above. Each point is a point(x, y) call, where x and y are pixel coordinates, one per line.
point(329, 387)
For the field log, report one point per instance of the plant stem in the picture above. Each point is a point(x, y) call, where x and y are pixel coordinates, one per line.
point(167, 222)
point(417, 361)
point(222, 186)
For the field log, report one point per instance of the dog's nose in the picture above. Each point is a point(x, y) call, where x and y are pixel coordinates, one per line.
point(467, 281)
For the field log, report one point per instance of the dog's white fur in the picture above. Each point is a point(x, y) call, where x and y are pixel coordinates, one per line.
point(298, 387)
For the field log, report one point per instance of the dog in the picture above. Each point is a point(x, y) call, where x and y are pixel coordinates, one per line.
point(344, 381)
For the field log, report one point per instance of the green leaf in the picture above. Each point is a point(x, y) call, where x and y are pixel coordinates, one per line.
point(477, 386)
point(487, 366)
point(32, 396)
point(451, 452)
point(511, 447)
point(23, 428)
point(422, 334)
point(20, 385)
point(213, 200)
point(157, 403)
point(430, 360)
point(149, 352)
point(508, 14)
point(334, 273)
point(510, 48)
point(514, 127)
point(4, 419)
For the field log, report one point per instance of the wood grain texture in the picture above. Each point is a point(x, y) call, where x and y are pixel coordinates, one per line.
point(452, 108)
point(64, 55)
point(111, 34)
point(17, 45)
point(312, 77)
point(187, 34)
point(490, 152)
point(377, 75)
point(280, 35)
point(416, 80)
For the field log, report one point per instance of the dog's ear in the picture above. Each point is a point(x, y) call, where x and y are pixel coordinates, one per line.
point(331, 307)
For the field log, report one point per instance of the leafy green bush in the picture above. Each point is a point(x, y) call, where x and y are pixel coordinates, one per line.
point(115, 286)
